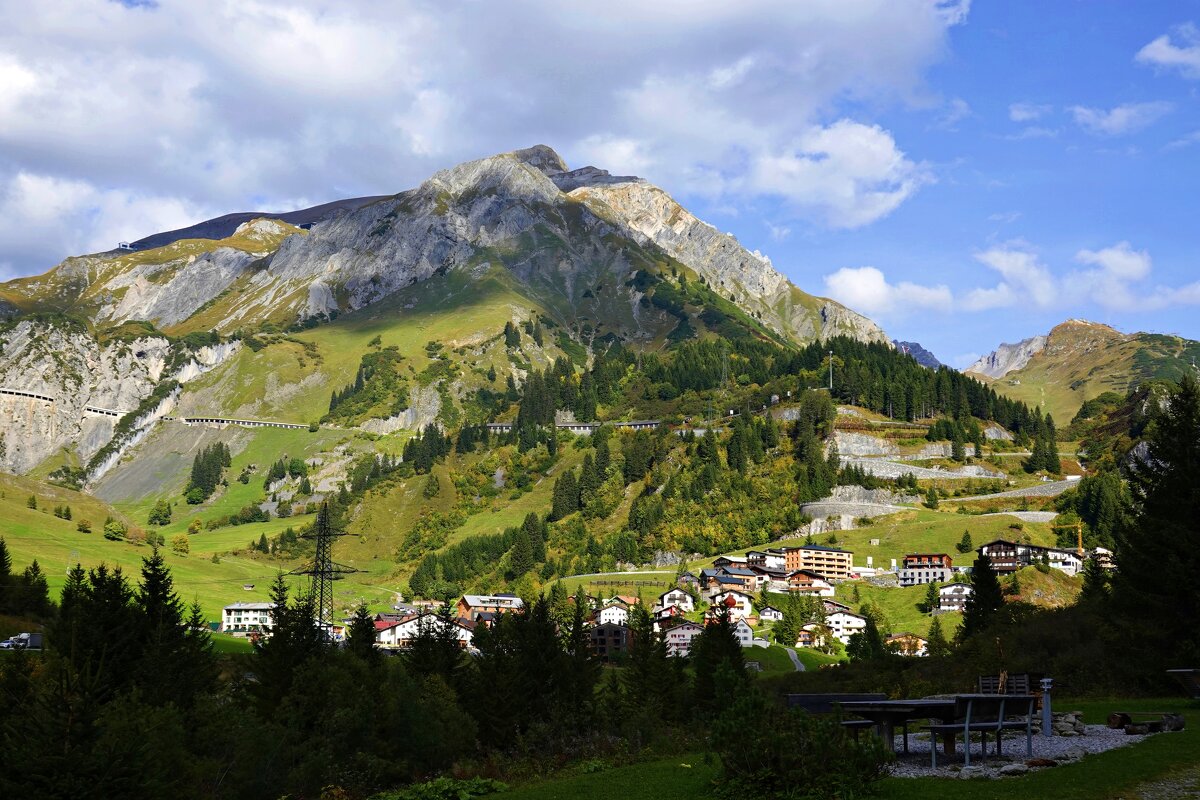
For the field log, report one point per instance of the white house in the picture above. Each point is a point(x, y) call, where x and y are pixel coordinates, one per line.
point(770, 614)
point(740, 604)
point(807, 582)
point(844, 624)
point(675, 597)
point(744, 633)
point(241, 619)
point(399, 635)
point(1066, 560)
point(679, 638)
point(613, 614)
point(771, 558)
point(953, 596)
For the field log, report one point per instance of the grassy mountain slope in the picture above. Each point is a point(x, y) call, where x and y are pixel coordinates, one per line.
point(1081, 360)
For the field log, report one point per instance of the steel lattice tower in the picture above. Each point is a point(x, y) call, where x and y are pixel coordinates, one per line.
point(323, 571)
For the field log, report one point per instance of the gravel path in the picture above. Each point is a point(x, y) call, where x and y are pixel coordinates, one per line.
point(1047, 489)
point(1027, 516)
point(883, 468)
point(795, 659)
point(1061, 749)
point(1176, 787)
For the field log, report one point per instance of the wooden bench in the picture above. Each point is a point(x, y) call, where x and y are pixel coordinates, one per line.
point(1020, 683)
point(831, 704)
point(1189, 679)
point(984, 714)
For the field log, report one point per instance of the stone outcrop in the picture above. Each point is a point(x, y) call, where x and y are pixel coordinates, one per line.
point(1008, 357)
point(90, 386)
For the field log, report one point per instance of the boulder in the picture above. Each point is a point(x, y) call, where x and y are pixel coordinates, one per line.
point(1013, 769)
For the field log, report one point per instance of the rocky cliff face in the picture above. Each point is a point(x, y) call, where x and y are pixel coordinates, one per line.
point(562, 232)
point(1008, 357)
point(63, 389)
point(922, 356)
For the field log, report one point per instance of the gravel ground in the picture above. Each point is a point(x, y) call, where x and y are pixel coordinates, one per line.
point(1176, 787)
point(1044, 489)
point(1061, 749)
point(1027, 516)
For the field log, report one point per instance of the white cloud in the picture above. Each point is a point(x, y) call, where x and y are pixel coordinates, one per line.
point(1119, 261)
point(1184, 141)
point(956, 111)
point(1165, 54)
point(1024, 278)
point(84, 219)
point(1006, 217)
point(1032, 132)
point(1027, 112)
point(245, 105)
point(1122, 119)
point(847, 174)
point(867, 290)
point(778, 233)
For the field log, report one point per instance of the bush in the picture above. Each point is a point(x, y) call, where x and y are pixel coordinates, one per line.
point(84, 526)
point(445, 789)
point(788, 753)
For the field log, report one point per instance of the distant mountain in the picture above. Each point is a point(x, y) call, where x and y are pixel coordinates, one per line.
point(1079, 360)
point(914, 349)
point(224, 226)
point(208, 323)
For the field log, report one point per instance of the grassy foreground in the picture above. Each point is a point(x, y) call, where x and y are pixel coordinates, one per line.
point(1115, 774)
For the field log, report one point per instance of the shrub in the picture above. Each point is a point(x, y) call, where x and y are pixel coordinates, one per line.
point(445, 788)
point(788, 753)
point(84, 526)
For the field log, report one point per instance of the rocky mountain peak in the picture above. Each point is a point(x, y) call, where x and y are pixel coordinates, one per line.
point(541, 158)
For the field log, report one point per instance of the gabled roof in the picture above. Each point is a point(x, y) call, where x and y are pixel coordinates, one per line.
point(506, 600)
point(808, 573)
point(726, 579)
point(740, 571)
point(765, 609)
point(735, 591)
point(849, 614)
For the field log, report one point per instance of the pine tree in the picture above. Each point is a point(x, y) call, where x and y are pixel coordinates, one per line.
point(589, 480)
point(1158, 553)
point(957, 451)
point(936, 644)
point(177, 663)
point(360, 636)
point(931, 597)
point(520, 558)
point(565, 496)
point(965, 545)
point(986, 599)
point(931, 498)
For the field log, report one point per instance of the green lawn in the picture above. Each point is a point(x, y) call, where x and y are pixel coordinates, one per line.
point(1114, 774)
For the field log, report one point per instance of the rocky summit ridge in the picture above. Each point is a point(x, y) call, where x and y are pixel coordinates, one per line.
point(599, 257)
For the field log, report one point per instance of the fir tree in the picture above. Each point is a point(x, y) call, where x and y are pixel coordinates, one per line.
point(1158, 553)
point(565, 496)
point(360, 636)
point(965, 545)
point(986, 599)
point(936, 644)
point(931, 498)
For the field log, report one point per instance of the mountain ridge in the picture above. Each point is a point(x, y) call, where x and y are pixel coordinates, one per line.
point(1078, 360)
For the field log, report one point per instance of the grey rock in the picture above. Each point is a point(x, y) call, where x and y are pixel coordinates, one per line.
point(1009, 357)
point(1014, 769)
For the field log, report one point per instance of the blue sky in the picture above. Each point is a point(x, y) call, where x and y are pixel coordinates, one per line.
point(963, 172)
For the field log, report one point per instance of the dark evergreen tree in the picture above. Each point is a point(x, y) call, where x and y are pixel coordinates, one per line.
point(565, 496)
point(1158, 552)
point(360, 636)
point(176, 664)
point(986, 598)
point(936, 645)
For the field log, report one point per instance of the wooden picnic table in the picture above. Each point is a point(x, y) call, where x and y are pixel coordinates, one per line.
point(887, 714)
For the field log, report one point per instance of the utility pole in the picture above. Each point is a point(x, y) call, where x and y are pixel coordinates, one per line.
point(323, 571)
point(831, 372)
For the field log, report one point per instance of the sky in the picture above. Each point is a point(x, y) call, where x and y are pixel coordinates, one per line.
point(963, 172)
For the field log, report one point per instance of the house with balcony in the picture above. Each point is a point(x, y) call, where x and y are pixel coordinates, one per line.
point(922, 568)
point(244, 619)
point(954, 596)
point(831, 563)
